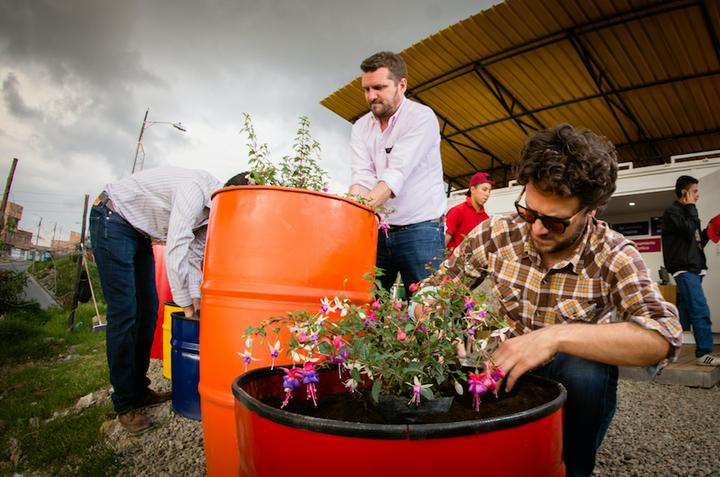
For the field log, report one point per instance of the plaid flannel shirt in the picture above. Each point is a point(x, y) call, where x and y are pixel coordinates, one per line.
point(605, 273)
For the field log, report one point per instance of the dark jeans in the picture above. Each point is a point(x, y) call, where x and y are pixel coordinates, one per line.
point(409, 251)
point(694, 311)
point(590, 407)
point(126, 266)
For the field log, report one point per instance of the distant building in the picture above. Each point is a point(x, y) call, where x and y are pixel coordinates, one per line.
point(15, 242)
point(63, 248)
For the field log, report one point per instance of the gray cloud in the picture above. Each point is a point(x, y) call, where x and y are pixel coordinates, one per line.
point(14, 101)
point(89, 69)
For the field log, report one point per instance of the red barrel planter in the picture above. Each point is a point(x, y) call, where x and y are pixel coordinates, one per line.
point(164, 294)
point(270, 250)
point(274, 442)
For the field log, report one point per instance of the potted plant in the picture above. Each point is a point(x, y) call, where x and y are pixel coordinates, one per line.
point(380, 349)
point(280, 244)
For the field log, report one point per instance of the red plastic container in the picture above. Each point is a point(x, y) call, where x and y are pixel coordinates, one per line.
point(164, 294)
point(271, 441)
point(270, 250)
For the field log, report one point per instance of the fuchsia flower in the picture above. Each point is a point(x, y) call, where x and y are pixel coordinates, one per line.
point(291, 381)
point(417, 390)
point(371, 317)
point(274, 353)
point(413, 287)
point(401, 335)
point(337, 343)
point(247, 358)
point(469, 303)
point(309, 378)
point(496, 373)
point(385, 227)
point(476, 386)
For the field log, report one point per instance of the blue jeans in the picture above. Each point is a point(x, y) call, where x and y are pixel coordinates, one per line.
point(409, 251)
point(694, 311)
point(126, 266)
point(589, 409)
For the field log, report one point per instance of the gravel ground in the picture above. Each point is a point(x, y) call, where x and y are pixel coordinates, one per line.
point(658, 430)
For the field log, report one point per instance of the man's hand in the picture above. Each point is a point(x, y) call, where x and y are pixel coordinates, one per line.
point(521, 354)
point(688, 198)
point(193, 310)
point(380, 194)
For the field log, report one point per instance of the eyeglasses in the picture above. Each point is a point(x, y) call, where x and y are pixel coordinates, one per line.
point(554, 225)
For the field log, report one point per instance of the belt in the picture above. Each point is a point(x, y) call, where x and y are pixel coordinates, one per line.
point(397, 228)
point(104, 200)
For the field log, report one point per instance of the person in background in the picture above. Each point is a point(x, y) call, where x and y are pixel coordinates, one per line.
point(558, 273)
point(395, 162)
point(241, 179)
point(165, 203)
point(683, 241)
point(464, 217)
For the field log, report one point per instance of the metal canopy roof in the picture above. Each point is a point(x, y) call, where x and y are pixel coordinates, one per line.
point(644, 73)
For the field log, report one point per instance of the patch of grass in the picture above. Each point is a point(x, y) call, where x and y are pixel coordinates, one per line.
point(39, 387)
point(64, 283)
point(24, 334)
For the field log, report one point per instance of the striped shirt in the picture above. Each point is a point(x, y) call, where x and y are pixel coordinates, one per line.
point(172, 204)
point(605, 273)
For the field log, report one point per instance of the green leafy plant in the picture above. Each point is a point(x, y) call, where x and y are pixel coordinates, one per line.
point(300, 171)
point(11, 289)
point(384, 345)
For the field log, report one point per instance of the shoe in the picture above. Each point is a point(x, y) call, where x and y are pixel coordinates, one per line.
point(153, 399)
point(708, 360)
point(134, 422)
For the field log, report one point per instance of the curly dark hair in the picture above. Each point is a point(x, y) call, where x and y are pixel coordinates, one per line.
point(238, 179)
point(570, 162)
point(389, 60)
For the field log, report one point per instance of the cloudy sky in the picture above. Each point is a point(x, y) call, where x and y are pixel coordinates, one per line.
point(78, 75)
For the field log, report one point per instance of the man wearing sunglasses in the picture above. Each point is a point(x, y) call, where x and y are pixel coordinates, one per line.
point(559, 273)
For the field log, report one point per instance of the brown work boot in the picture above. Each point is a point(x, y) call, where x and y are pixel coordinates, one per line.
point(134, 422)
point(153, 399)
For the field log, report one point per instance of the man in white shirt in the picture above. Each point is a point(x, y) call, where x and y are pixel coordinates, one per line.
point(395, 162)
point(165, 203)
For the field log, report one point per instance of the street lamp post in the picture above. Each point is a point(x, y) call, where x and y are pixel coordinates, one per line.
point(146, 125)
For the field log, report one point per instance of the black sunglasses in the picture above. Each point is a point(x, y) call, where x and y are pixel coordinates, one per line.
point(554, 225)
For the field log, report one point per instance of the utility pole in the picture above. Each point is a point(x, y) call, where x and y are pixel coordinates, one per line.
point(52, 252)
point(37, 241)
point(139, 144)
point(5, 195)
point(76, 290)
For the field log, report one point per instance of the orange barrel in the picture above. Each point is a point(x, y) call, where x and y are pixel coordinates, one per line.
point(270, 250)
point(169, 308)
point(164, 294)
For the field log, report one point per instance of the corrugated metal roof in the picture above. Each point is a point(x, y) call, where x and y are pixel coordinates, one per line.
point(644, 73)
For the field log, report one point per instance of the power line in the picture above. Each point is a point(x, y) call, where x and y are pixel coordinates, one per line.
point(44, 193)
point(44, 202)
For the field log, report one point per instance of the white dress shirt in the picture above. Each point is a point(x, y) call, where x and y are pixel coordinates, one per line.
point(172, 204)
point(406, 156)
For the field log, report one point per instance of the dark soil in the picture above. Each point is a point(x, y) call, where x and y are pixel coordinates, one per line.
point(347, 407)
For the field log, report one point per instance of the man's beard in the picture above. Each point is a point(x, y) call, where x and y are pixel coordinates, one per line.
point(562, 244)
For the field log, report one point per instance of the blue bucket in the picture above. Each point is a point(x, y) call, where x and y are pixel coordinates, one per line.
point(185, 359)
